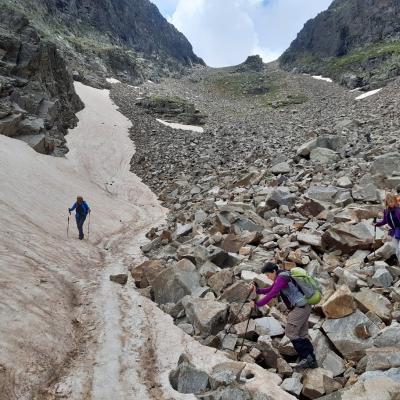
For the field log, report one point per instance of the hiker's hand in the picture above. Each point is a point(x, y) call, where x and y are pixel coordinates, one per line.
point(254, 287)
point(375, 220)
point(253, 305)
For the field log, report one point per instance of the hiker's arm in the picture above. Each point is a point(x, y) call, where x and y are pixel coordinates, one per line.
point(384, 221)
point(274, 291)
point(263, 290)
point(73, 207)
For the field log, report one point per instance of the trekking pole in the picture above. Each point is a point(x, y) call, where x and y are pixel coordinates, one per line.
point(235, 319)
point(68, 226)
point(374, 244)
point(245, 332)
point(88, 227)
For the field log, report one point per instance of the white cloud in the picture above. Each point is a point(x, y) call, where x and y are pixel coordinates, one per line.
point(225, 32)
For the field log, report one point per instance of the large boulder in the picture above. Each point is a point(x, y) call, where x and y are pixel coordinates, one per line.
point(349, 238)
point(343, 334)
point(175, 282)
point(207, 316)
point(326, 357)
point(313, 382)
point(239, 292)
point(381, 388)
point(324, 156)
point(327, 142)
point(388, 337)
point(281, 196)
point(145, 273)
point(323, 193)
point(386, 164)
point(382, 358)
point(186, 378)
point(374, 302)
point(340, 304)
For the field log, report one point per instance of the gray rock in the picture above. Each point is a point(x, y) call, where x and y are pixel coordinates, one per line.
point(382, 278)
point(382, 358)
point(226, 373)
point(388, 337)
point(172, 284)
point(269, 326)
point(280, 168)
point(328, 142)
point(349, 238)
point(281, 196)
point(186, 378)
point(368, 192)
point(324, 156)
point(342, 333)
point(386, 164)
point(374, 302)
point(293, 385)
point(207, 316)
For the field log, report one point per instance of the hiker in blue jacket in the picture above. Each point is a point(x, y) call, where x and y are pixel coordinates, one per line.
point(81, 211)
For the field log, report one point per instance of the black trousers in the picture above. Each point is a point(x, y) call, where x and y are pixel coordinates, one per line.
point(80, 219)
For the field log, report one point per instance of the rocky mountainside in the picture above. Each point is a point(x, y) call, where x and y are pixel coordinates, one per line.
point(44, 43)
point(37, 97)
point(128, 39)
point(288, 169)
point(355, 41)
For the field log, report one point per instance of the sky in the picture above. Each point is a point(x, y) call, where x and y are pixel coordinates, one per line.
point(225, 32)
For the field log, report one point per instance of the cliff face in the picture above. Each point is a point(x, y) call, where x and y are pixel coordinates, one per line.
point(129, 39)
point(354, 41)
point(136, 24)
point(43, 43)
point(37, 98)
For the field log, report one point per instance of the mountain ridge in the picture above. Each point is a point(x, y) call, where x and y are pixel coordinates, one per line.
point(356, 42)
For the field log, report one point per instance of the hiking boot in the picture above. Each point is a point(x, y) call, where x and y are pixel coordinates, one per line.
point(305, 363)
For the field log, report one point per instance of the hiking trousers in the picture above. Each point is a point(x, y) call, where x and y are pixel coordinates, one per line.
point(80, 219)
point(396, 245)
point(297, 323)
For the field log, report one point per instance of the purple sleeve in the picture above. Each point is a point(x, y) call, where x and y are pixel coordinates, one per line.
point(263, 290)
point(278, 285)
point(398, 213)
point(384, 221)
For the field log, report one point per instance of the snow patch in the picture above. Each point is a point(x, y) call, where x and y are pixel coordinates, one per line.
point(367, 94)
point(321, 78)
point(112, 80)
point(182, 127)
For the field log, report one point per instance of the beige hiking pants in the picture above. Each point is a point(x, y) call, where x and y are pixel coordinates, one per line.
point(297, 323)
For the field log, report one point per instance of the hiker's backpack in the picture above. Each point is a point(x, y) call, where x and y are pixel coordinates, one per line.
point(308, 285)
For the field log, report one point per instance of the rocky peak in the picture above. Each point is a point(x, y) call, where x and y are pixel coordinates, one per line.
point(356, 36)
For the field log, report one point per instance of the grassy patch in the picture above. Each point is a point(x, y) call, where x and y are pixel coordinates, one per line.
point(258, 87)
point(357, 57)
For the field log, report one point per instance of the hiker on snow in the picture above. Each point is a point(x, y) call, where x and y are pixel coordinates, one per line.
point(81, 211)
point(391, 217)
point(299, 311)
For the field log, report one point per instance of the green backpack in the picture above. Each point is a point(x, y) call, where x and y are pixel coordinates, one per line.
point(307, 284)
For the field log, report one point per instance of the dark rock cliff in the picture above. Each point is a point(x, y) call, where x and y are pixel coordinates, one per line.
point(43, 43)
point(355, 41)
point(37, 98)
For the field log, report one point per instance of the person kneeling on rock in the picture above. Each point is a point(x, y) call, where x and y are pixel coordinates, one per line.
point(299, 312)
point(81, 211)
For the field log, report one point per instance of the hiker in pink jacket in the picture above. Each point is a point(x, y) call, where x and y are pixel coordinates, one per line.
point(299, 312)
